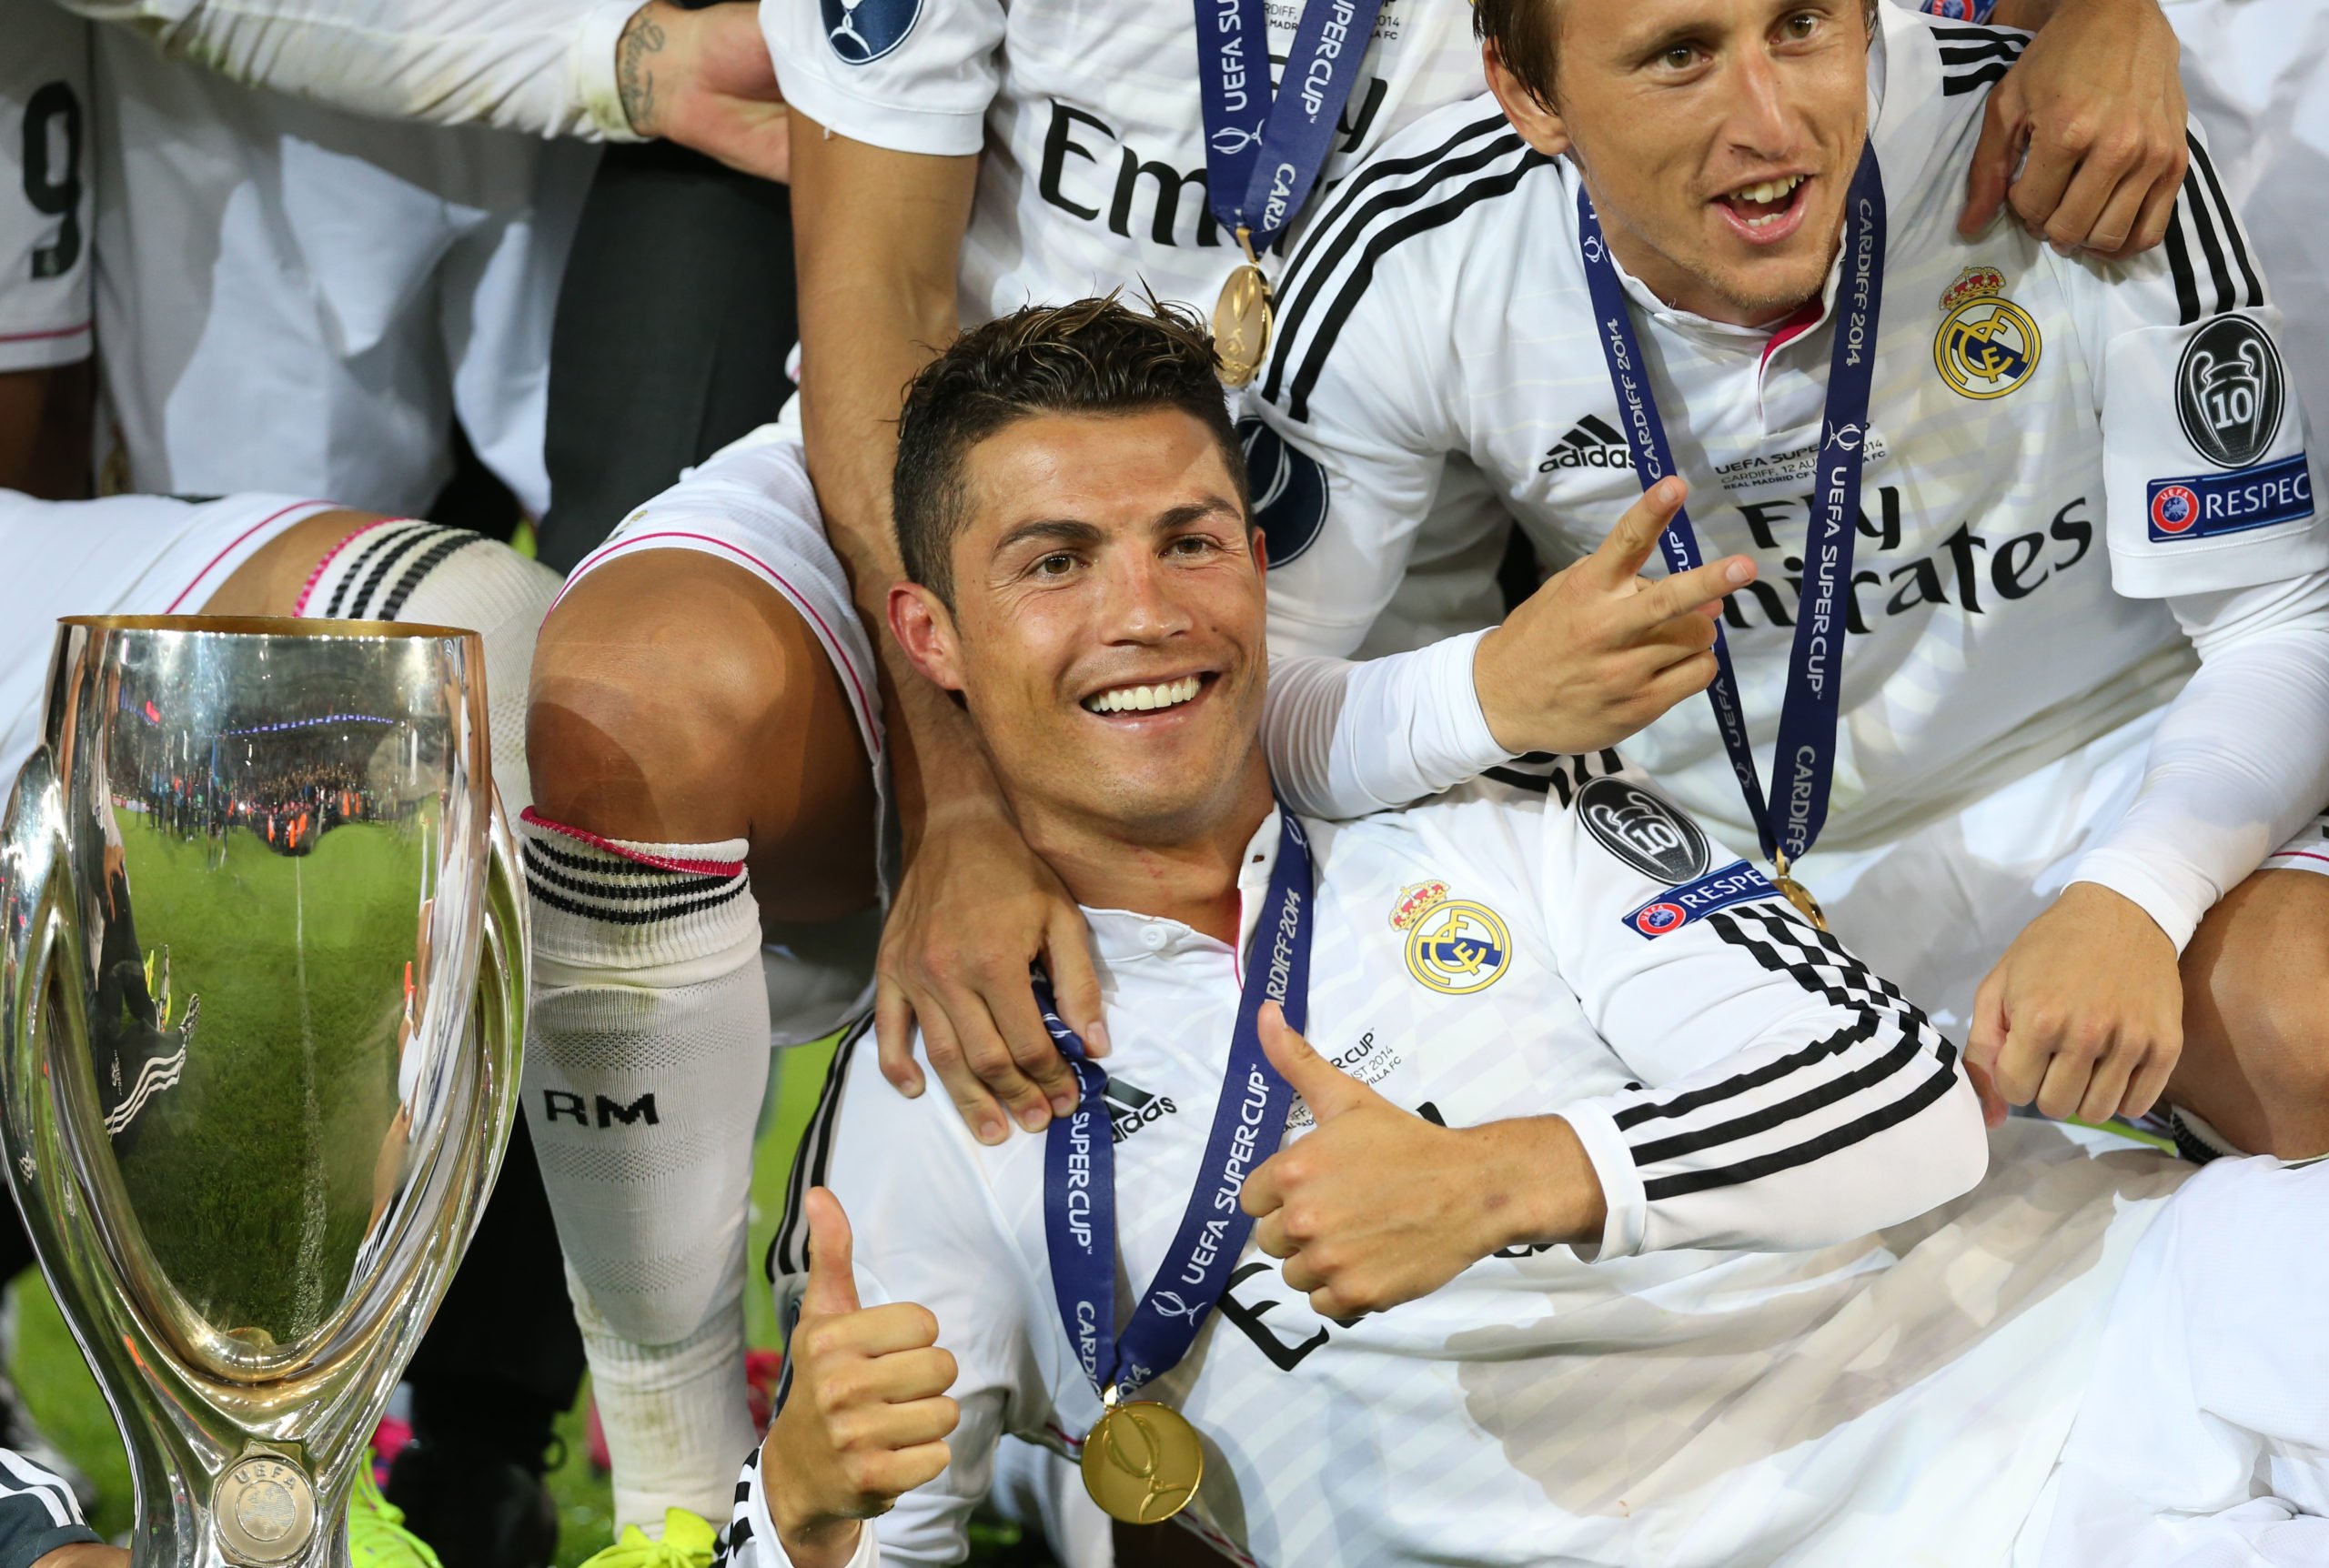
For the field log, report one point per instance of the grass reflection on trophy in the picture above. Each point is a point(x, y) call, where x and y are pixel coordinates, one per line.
point(261, 996)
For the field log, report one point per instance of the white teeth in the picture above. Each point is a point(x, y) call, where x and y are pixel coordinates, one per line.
point(1143, 699)
point(1769, 190)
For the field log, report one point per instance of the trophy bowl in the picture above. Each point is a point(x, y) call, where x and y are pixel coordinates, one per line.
point(261, 997)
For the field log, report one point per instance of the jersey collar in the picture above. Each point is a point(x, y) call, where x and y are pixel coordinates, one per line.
point(1128, 936)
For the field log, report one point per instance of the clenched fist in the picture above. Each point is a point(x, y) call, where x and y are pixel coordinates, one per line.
point(868, 1416)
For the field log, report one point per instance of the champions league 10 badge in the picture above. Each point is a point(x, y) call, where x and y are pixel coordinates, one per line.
point(2228, 392)
point(862, 31)
point(1987, 345)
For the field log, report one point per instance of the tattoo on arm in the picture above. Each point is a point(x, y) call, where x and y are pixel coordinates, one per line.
point(642, 39)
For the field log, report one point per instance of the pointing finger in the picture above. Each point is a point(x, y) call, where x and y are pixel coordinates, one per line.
point(1622, 555)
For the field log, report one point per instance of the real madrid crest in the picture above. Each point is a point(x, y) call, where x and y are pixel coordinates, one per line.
point(1987, 345)
point(1454, 946)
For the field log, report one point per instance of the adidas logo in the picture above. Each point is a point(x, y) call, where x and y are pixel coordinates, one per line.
point(1589, 444)
point(1131, 1109)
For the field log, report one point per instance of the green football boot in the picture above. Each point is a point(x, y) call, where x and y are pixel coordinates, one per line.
point(688, 1542)
point(377, 1537)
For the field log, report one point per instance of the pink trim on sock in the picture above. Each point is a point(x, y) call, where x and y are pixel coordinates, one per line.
point(2294, 855)
point(662, 862)
point(230, 550)
point(299, 606)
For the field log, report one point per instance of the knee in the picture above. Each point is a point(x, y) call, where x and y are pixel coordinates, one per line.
point(656, 681)
point(2256, 1013)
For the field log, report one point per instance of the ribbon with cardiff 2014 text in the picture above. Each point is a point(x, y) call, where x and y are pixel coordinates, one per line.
point(1263, 151)
point(1806, 757)
point(1079, 1160)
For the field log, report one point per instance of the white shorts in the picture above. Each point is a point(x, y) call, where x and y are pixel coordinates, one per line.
point(1936, 910)
point(293, 297)
point(127, 555)
point(751, 505)
point(45, 186)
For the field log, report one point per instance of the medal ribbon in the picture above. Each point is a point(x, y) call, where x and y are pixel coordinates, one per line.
point(1079, 1160)
point(1264, 152)
point(1805, 760)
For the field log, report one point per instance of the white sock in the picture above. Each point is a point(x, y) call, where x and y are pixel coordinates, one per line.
point(400, 569)
point(646, 1059)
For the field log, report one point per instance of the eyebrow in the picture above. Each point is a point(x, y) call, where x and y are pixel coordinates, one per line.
point(1073, 531)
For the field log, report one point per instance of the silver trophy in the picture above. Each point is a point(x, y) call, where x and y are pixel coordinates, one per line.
point(261, 997)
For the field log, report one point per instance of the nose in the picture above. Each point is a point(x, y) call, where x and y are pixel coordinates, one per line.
point(1758, 122)
point(1140, 606)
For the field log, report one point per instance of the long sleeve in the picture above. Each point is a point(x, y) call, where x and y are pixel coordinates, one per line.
point(1346, 738)
point(546, 66)
point(2240, 758)
point(1788, 1096)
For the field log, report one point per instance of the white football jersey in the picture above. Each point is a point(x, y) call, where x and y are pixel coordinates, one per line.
point(1556, 940)
point(2054, 446)
point(1093, 172)
point(44, 211)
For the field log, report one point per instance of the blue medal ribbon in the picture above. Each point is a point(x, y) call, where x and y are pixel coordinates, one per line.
point(1264, 150)
point(1079, 1160)
point(1805, 762)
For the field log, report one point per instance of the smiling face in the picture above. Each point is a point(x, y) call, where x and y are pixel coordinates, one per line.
point(1106, 629)
point(1718, 138)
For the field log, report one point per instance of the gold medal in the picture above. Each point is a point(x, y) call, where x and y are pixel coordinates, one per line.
point(1241, 319)
point(1797, 894)
point(1143, 1461)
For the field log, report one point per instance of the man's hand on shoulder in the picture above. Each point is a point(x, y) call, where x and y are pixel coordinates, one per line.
point(2084, 1014)
point(704, 79)
point(975, 908)
point(2096, 102)
point(1378, 1206)
point(867, 1418)
point(1599, 651)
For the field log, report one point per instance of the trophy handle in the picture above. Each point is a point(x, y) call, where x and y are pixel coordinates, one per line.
point(504, 982)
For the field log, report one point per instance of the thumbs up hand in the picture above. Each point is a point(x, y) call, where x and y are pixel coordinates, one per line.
point(867, 1417)
point(1378, 1206)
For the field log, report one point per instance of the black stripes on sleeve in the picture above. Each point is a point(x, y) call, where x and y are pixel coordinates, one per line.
point(787, 1251)
point(1888, 1062)
point(2207, 252)
point(1386, 203)
point(1974, 58)
point(595, 885)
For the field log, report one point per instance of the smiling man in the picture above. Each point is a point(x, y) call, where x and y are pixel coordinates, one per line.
point(2038, 644)
point(1529, 1053)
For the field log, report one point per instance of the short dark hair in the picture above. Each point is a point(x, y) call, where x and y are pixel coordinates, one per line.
point(1526, 32)
point(1094, 355)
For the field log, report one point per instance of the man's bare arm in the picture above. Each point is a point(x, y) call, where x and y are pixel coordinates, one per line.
point(878, 237)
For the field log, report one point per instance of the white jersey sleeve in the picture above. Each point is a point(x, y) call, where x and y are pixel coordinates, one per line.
point(44, 206)
point(2207, 480)
point(928, 1232)
point(911, 76)
point(546, 66)
point(1354, 451)
point(1788, 1098)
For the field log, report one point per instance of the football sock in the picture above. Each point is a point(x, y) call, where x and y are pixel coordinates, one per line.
point(400, 569)
point(647, 1056)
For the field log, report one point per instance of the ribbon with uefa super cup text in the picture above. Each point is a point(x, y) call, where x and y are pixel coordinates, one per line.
point(1079, 1160)
point(1806, 755)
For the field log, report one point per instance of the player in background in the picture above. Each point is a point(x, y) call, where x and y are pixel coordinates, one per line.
point(949, 161)
point(46, 219)
point(2085, 480)
point(1745, 1373)
point(2255, 73)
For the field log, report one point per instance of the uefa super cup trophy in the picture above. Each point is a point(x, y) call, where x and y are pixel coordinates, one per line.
point(261, 997)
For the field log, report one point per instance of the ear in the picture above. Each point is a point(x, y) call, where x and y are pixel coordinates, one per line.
point(1540, 125)
point(921, 622)
point(1259, 542)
